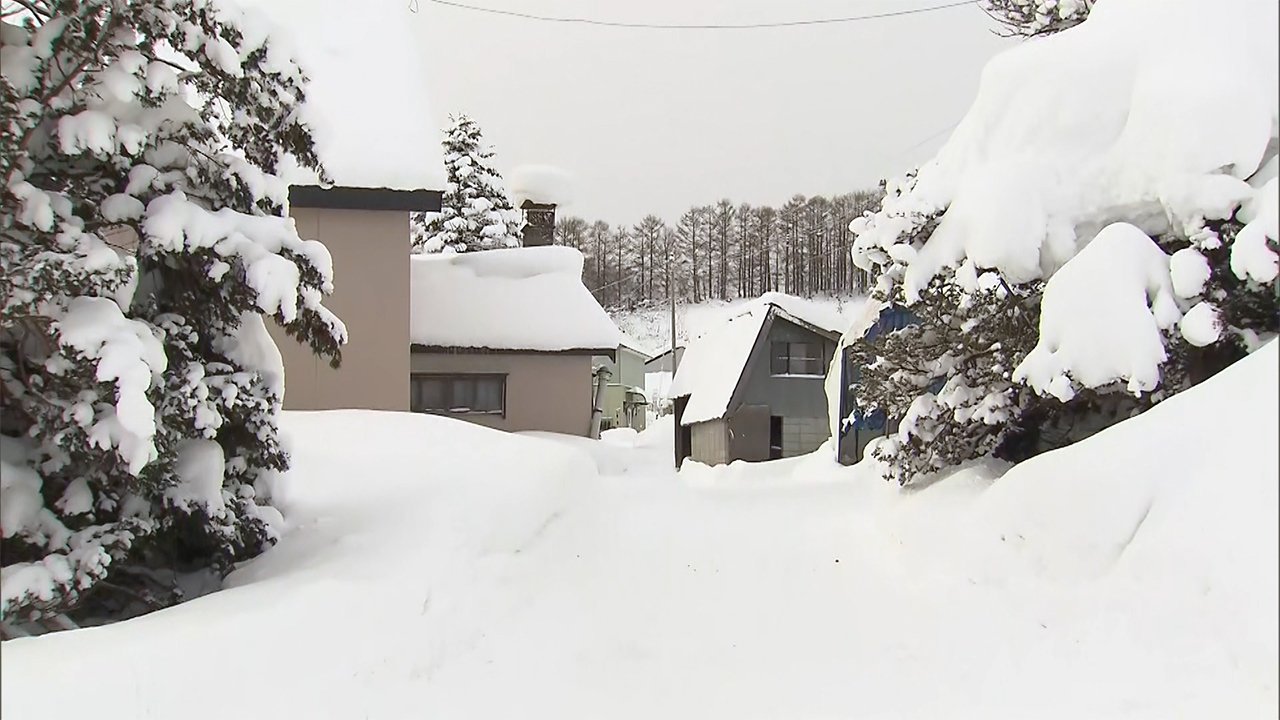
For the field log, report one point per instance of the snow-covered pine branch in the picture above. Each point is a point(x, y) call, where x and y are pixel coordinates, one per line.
point(143, 240)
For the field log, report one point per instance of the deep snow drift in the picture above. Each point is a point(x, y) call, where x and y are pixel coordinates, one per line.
point(437, 569)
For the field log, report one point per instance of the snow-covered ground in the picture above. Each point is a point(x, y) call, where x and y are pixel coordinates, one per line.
point(651, 328)
point(437, 569)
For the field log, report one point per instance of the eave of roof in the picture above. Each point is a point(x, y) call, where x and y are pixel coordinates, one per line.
point(360, 198)
point(611, 353)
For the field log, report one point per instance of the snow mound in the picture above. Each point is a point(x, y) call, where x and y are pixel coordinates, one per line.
point(515, 299)
point(609, 459)
point(542, 184)
point(404, 511)
point(367, 102)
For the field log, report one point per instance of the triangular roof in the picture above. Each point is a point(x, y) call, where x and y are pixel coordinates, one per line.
point(713, 365)
point(526, 299)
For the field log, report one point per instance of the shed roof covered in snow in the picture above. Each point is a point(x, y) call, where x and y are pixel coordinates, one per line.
point(367, 103)
point(712, 365)
point(528, 299)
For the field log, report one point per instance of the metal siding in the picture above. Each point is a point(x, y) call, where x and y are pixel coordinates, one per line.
point(371, 296)
point(800, 397)
point(749, 433)
point(710, 443)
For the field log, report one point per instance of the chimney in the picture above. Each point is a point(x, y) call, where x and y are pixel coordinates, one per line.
point(539, 223)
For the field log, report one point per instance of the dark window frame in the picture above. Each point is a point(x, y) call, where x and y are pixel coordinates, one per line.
point(794, 360)
point(447, 387)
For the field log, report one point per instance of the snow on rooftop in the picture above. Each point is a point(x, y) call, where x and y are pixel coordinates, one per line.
point(634, 344)
point(367, 102)
point(542, 184)
point(516, 299)
point(712, 364)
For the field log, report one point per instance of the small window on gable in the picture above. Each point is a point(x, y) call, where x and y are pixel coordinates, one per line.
point(796, 358)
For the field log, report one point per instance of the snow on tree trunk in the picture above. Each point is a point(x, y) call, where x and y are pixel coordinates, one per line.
point(144, 239)
point(475, 213)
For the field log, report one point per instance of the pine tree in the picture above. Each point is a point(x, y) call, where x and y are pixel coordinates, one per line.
point(142, 242)
point(475, 213)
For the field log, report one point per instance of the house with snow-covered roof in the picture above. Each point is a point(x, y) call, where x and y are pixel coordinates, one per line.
point(369, 114)
point(752, 388)
point(506, 338)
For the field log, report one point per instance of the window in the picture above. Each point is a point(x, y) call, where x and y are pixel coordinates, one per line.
point(796, 358)
point(483, 394)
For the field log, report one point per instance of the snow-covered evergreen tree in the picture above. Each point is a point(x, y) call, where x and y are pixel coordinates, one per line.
point(142, 242)
point(475, 213)
point(1074, 261)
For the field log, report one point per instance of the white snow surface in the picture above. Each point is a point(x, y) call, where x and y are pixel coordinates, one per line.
point(1252, 256)
point(200, 469)
point(368, 104)
point(1102, 316)
point(1075, 130)
point(712, 364)
point(543, 184)
point(510, 577)
point(127, 354)
point(510, 299)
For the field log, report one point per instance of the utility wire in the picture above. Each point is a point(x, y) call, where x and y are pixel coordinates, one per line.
point(708, 26)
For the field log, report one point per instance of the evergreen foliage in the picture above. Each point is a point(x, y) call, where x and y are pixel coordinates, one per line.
point(475, 213)
point(142, 242)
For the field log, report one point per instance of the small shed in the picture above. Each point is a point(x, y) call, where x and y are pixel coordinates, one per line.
point(753, 388)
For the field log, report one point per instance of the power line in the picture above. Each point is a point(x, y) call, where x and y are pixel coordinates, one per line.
point(709, 26)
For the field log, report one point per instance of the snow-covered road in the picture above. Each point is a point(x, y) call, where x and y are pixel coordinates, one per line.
point(437, 569)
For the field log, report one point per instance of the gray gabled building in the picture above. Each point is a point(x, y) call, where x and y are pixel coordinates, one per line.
point(753, 388)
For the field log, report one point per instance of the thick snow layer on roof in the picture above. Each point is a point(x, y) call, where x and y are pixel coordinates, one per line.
point(812, 312)
point(542, 184)
point(367, 101)
point(713, 363)
point(1151, 112)
point(517, 299)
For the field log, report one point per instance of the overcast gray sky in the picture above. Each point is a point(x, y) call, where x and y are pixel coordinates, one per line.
point(658, 120)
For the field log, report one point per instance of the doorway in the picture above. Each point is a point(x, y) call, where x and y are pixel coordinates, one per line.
point(775, 437)
point(684, 433)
